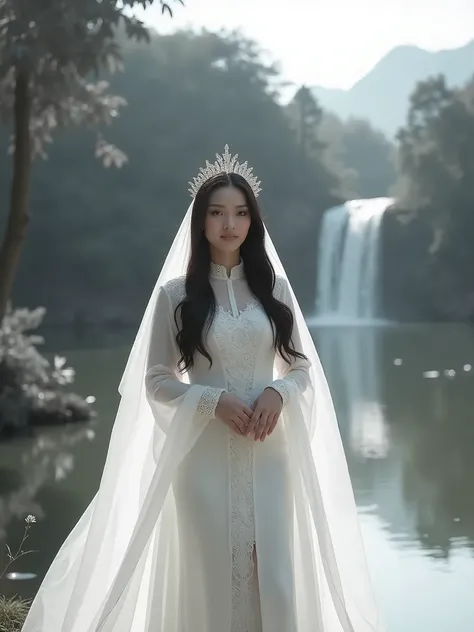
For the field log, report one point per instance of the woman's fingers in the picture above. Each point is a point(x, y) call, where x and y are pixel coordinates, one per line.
point(238, 427)
point(269, 426)
point(262, 422)
point(273, 424)
point(243, 421)
point(254, 420)
point(248, 411)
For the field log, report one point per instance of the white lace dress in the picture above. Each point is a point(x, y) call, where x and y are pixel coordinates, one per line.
point(232, 496)
point(167, 543)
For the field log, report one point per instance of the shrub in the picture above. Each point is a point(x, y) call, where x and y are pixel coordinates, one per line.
point(31, 388)
point(13, 610)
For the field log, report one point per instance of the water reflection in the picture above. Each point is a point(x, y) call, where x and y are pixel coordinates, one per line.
point(27, 467)
point(54, 475)
point(351, 360)
point(409, 440)
point(404, 398)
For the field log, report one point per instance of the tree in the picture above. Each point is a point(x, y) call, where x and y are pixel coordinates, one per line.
point(436, 162)
point(331, 132)
point(49, 50)
point(306, 116)
point(99, 235)
point(436, 154)
point(360, 155)
point(371, 155)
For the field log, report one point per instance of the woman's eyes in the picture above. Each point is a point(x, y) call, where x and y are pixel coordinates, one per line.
point(242, 213)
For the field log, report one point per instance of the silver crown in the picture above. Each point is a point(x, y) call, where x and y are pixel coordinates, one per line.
point(225, 164)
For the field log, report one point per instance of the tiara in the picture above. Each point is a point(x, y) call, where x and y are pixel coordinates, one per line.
point(225, 164)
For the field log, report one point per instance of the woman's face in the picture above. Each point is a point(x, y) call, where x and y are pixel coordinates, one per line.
point(227, 219)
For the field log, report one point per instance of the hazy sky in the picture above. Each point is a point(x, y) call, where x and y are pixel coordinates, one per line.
point(330, 42)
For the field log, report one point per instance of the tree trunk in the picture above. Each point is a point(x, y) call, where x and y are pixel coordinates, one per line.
point(18, 218)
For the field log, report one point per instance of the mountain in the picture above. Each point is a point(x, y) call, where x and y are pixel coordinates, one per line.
point(382, 96)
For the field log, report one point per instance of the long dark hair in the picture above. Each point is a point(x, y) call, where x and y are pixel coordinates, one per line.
point(199, 307)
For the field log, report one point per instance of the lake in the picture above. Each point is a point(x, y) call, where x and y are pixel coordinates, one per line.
point(405, 402)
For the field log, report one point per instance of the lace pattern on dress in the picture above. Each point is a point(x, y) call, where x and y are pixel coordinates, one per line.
point(228, 313)
point(279, 287)
point(237, 340)
point(176, 289)
point(282, 388)
point(209, 400)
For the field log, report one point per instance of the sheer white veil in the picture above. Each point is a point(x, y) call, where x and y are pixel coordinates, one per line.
point(174, 266)
point(119, 553)
point(320, 451)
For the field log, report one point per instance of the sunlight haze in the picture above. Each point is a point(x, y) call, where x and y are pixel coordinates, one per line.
point(334, 43)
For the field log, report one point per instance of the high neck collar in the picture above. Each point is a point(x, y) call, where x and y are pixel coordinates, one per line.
point(218, 271)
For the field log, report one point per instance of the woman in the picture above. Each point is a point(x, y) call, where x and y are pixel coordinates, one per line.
point(225, 503)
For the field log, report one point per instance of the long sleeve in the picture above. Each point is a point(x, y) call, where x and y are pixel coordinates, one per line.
point(162, 381)
point(293, 378)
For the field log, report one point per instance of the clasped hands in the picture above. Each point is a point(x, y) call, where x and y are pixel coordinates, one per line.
point(243, 420)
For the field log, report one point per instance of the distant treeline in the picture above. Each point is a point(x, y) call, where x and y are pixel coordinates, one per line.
point(99, 236)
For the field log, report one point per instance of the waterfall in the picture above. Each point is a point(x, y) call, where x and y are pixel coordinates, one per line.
point(353, 361)
point(348, 261)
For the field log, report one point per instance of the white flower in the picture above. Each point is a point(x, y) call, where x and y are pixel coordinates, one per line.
point(59, 362)
point(30, 519)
